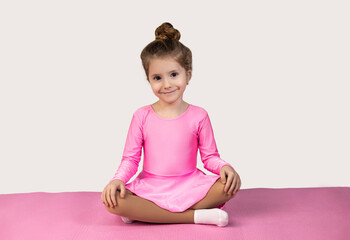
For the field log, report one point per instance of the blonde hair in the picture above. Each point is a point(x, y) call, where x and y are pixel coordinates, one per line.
point(166, 44)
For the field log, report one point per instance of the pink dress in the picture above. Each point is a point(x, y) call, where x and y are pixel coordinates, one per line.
point(169, 177)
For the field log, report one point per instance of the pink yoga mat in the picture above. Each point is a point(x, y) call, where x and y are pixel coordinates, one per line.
point(261, 213)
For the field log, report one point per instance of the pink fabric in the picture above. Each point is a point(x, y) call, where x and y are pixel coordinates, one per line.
point(260, 213)
point(174, 193)
point(170, 177)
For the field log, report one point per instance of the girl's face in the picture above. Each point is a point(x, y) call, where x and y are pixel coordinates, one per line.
point(168, 79)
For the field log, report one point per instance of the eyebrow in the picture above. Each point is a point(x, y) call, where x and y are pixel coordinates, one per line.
point(175, 70)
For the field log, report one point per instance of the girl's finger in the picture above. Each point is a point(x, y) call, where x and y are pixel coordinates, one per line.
point(122, 191)
point(238, 185)
point(113, 193)
point(109, 198)
point(233, 187)
point(105, 197)
point(228, 183)
point(236, 189)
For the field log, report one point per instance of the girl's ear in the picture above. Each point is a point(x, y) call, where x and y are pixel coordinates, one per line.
point(189, 74)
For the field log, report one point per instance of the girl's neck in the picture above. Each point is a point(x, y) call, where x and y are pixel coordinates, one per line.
point(175, 108)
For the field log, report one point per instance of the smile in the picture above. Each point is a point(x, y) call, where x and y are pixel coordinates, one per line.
point(169, 92)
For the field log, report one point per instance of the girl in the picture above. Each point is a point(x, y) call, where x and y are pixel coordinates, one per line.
point(170, 189)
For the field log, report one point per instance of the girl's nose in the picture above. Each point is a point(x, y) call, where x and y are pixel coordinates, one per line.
point(166, 83)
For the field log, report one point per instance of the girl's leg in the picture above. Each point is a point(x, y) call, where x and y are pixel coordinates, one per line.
point(214, 197)
point(137, 208)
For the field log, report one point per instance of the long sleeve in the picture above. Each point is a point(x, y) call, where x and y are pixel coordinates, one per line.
point(132, 151)
point(207, 147)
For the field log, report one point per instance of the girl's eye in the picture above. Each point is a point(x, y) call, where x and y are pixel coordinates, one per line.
point(174, 74)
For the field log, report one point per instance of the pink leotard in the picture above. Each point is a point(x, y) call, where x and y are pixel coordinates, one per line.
point(170, 146)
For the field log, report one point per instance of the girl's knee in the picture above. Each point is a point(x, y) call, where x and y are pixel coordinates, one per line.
point(119, 207)
point(224, 194)
point(114, 210)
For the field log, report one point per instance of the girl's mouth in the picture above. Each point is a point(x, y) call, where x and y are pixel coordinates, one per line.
point(169, 92)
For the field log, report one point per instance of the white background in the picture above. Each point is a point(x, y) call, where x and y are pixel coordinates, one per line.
point(273, 75)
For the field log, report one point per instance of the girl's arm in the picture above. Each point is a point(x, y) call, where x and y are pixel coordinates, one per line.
point(132, 151)
point(207, 147)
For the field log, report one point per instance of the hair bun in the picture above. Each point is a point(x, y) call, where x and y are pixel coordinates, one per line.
point(166, 31)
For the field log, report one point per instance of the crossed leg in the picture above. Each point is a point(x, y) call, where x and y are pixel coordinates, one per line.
point(137, 208)
point(214, 197)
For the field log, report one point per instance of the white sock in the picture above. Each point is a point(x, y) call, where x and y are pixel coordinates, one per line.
point(127, 220)
point(211, 216)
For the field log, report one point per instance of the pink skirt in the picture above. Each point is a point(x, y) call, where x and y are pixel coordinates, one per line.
point(173, 193)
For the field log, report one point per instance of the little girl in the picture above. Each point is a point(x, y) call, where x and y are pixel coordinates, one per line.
point(170, 188)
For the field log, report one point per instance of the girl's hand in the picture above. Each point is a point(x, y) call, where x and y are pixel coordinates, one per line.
point(231, 178)
point(108, 195)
